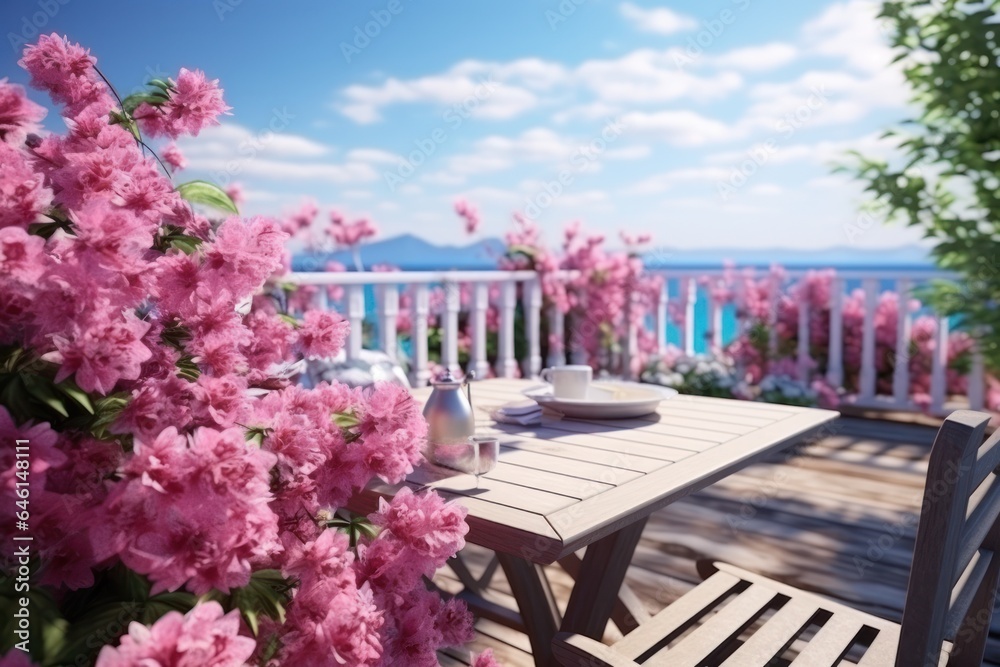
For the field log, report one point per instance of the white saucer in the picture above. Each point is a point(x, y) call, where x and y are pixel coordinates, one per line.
point(605, 400)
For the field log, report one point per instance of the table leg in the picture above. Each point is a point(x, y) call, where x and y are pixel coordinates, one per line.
point(599, 580)
point(536, 603)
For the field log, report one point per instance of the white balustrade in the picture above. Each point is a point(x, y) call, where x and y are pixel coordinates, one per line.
point(901, 367)
point(867, 380)
point(356, 317)
point(419, 374)
point(449, 330)
point(506, 363)
point(387, 303)
point(388, 317)
point(480, 305)
point(533, 327)
point(835, 360)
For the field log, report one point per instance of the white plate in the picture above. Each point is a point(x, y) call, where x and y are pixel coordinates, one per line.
point(605, 400)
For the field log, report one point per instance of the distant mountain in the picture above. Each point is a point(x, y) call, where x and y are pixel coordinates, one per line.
point(412, 253)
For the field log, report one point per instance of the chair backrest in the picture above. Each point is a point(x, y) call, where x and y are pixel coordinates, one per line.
point(956, 560)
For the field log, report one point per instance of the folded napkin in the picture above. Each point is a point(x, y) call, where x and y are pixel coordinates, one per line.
point(524, 413)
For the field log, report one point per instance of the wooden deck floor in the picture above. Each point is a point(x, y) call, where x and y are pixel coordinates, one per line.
point(838, 517)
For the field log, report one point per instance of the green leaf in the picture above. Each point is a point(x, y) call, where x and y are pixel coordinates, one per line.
point(209, 194)
point(71, 389)
point(165, 86)
point(132, 102)
point(42, 390)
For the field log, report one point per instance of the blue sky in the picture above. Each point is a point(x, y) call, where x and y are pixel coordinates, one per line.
point(709, 124)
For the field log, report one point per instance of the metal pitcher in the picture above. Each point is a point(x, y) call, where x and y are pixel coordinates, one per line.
point(448, 411)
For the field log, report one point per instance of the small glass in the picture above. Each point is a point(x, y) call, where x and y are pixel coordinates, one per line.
point(476, 456)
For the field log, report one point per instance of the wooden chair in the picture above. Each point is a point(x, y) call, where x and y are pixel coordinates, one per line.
point(739, 619)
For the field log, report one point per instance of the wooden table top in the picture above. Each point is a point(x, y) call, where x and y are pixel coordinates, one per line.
point(559, 486)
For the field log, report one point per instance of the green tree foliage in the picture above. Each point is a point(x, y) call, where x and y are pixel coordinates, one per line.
point(945, 176)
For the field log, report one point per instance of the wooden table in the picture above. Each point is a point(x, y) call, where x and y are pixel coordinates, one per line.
point(570, 483)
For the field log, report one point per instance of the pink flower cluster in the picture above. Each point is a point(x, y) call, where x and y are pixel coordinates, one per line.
point(193, 104)
point(168, 439)
point(468, 213)
point(349, 234)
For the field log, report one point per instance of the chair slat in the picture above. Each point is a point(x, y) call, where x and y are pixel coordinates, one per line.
point(989, 459)
point(978, 525)
point(832, 641)
point(966, 589)
point(717, 631)
point(882, 651)
point(776, 634)
point(677, 615)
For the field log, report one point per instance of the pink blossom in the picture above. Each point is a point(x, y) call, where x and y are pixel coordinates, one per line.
point(469, 213)
point(19, 116)
point(23, 195)
point(191, 511)
point(172, 155)
point(21, 255)
point(245, 252)
point(235, 192)
point(101, 350)
point(322, 334)
point(15, 658)
point(195, 103)
point(485, 659)
point(203, 637)
point(350, 234)
point(65, 70)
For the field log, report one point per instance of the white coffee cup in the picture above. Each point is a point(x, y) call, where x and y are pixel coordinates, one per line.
point(568, 381)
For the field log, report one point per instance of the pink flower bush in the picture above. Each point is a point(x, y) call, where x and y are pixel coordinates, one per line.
point(172, 155)
point(204, 637)
point(153, 359)
point(193, 104)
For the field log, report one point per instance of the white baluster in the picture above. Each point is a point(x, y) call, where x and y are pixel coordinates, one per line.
point(715, 317)
point(774, 291)
point(356, 317)
point(533, 327)
point(662, 310)
point(901, 370)
point(977, 380)
point(506, 363)
point(557, 336)
point(835, 363)
point(804, 361)
point(388, 315)
point(630, 343)
point(692, 298)
point(419, 373)
point(449, 342)
point(867, 379)
point(939, 366)
point(480, 304)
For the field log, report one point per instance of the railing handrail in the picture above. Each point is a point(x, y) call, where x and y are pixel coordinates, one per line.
point(405, 277)
point(847, 274)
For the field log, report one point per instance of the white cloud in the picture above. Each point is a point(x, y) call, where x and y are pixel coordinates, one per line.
point(850, 32)
point(374, 156)
point(470, 88)
point(588, 111)
point(758, 58)
point(687, 175)
point(659, 20)
point(646, 76)
point(678, 128)
point(628, 153)
point(765, 189)
point(240, 141)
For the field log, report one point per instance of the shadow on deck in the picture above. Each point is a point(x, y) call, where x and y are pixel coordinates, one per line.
point(839, 518)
